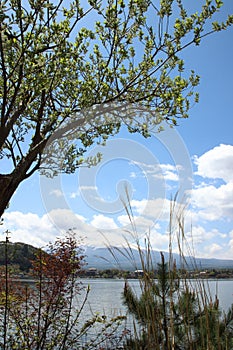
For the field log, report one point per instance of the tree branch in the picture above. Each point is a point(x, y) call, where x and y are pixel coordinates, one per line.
point(4, 75)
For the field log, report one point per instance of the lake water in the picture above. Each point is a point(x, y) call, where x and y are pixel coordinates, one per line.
point(106, 294)
point(105, 298)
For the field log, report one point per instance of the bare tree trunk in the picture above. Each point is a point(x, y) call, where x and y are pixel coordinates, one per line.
point(8, 185)
point(25, 168)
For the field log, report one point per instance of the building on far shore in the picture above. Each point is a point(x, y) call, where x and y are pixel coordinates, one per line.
point(138, 273)
point(91, 271)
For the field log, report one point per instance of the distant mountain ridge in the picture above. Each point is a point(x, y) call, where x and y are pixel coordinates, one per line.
point(129, 259)
point(23, 254)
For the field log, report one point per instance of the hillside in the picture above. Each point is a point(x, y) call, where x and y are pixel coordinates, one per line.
point(20, 254)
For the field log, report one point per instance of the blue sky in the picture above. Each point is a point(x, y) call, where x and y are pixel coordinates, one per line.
point(197, 156)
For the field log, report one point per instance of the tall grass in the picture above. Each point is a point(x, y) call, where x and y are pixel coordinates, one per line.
point(173, 311)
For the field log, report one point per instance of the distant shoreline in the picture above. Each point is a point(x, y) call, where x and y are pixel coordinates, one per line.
point(33, 281)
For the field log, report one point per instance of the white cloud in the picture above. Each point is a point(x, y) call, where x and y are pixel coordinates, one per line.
point(65, 219)
point(88, 188)
point(167, 172)
point(103, 222)
point(168, 167)
point(145, 167)
point(170, 176)
point(140, 223)
point(29, 228)
point(230, 244)
point(139, 205)
point(158, 240)
point(74, 195)
point(38, 231)
point(211, 203)
point(208, 243)
point(231, 234)
point(199, 235)
point(213, 249)
point(133, 175)
point(56, 193)
point(156, 209)
point(32, 229)
point(216, 163)
point(124, 220)
point(170, 171)
point(214, 203)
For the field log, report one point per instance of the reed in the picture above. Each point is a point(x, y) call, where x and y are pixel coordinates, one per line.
point(173, 311)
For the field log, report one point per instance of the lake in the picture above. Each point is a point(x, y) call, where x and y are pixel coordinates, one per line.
point(105, 294)
point(105, 298)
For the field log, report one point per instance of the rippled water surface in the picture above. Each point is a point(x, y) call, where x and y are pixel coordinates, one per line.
point(105, 294)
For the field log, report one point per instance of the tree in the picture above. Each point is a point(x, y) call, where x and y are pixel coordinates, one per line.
point(69, 73)
point(152, 309)
point(48, 314)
